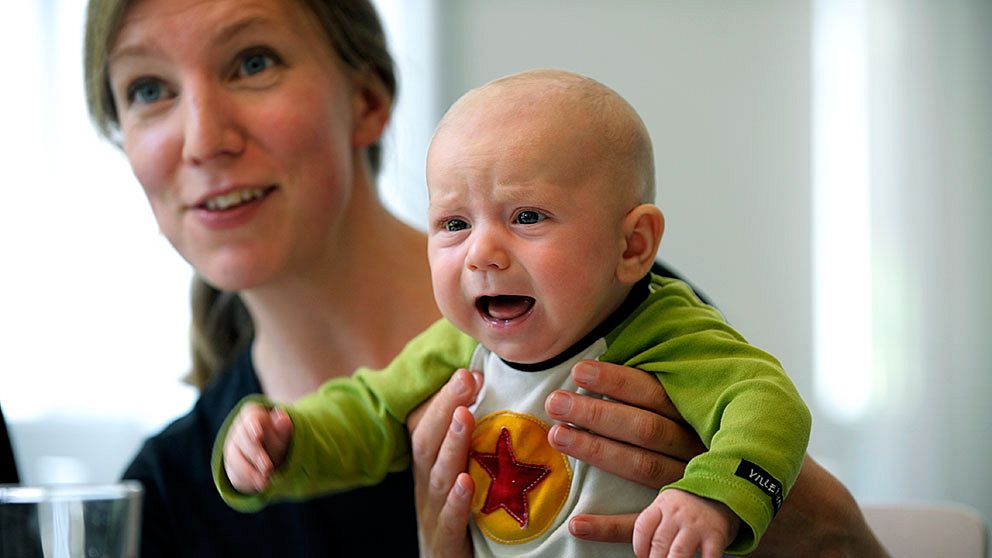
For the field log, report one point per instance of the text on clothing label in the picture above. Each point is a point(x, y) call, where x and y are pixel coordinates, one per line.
point(763, 480)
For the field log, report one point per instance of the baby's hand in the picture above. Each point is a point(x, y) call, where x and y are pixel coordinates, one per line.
point(256, 445)
point(679, 524)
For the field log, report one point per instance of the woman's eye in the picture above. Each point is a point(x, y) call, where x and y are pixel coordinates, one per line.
point(256, 62)
point(529, 217)
point(145, 91)
point(454, 225)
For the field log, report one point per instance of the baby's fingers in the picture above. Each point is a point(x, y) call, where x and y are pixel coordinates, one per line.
point(242, 472)
point(276, 438)
point(250, 431)
point(711, 548)
point(246, 459)
point(644, 530)
point(685, 545)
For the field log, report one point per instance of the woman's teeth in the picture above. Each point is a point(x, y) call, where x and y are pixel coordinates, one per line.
point(234, 198)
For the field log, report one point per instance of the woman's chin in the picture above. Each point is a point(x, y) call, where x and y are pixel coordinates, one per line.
point(234, 279)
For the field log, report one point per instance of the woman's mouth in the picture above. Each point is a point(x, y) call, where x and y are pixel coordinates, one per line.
point(235, 198)
point(504, 307)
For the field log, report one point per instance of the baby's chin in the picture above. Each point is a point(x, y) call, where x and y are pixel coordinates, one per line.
point(518, 352)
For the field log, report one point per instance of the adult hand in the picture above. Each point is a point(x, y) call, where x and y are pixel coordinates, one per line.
point(441, 432)
point(639, 436)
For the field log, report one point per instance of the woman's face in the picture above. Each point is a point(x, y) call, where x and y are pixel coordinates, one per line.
point(244, 131)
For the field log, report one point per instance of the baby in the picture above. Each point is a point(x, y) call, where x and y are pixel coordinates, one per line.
point(542, 233)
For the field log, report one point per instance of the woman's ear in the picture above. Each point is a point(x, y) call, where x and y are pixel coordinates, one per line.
point(371, 106)
point(642, 229)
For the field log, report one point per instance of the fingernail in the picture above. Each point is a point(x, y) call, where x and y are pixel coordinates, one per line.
point(460, 488)
point(579, 527)
point(456, 425)
point(460, 387)
point(584, 373)
point(559, 403)
point(564, 436)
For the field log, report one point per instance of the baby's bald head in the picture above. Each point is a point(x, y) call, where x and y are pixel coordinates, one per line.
point(550, 103)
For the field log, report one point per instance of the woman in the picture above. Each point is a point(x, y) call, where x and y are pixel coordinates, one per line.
point(252, 126)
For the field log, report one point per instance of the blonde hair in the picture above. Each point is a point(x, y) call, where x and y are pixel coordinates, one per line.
point(221, 325)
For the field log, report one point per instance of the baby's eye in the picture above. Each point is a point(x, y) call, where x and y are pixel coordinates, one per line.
point(454, 225)
point(145, 90)
point(529, 217)
point(255, 62)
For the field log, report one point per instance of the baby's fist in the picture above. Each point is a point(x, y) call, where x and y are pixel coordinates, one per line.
point(256, 445)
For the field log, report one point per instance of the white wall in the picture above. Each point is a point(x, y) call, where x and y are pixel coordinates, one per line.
point(726, 91)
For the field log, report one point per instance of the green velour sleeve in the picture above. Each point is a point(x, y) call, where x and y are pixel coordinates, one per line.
point(737, 397)
point(351, 432)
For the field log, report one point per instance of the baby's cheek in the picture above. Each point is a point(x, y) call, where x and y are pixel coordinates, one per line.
point(450, 299)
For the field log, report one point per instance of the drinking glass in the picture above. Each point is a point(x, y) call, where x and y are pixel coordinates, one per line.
point(70, 520)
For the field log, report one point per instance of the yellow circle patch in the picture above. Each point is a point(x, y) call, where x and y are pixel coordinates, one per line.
point(521, 482)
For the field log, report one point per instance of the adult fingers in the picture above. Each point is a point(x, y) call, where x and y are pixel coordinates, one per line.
point(624, 383)
point(619, 421)
point(450, 538)
point(429, 423)
point(452, 457)
point(603, 528)
point(635, 464)
point(443, 491)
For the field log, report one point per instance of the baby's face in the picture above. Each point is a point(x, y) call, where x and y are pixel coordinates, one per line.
point(524, 229)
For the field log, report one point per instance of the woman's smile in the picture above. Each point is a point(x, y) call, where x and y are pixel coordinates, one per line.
point(232, 209)
point(235, 198)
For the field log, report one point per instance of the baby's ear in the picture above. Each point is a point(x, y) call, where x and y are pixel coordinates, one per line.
point(642, 229)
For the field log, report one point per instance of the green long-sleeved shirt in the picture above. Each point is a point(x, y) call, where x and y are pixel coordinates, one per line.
point(352, 431)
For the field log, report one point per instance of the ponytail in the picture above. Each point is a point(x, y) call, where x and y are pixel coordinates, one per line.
point(221, 329)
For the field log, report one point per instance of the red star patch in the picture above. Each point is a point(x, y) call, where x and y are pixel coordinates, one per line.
point(512, 479)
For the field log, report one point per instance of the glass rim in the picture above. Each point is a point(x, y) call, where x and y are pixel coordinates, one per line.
point(34, 494)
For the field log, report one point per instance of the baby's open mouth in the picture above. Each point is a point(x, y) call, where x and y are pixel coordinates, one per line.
point(504, 307)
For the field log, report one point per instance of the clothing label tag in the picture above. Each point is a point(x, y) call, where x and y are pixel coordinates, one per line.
point(763, 480)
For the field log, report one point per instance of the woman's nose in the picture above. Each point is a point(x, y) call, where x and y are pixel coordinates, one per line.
point(487, 252)
point(210, 128)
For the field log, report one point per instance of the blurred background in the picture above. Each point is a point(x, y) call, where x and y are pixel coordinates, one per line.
point(825, 167)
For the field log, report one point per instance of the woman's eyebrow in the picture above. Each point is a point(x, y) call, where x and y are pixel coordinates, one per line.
point(231, 31)
point(224, 34)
